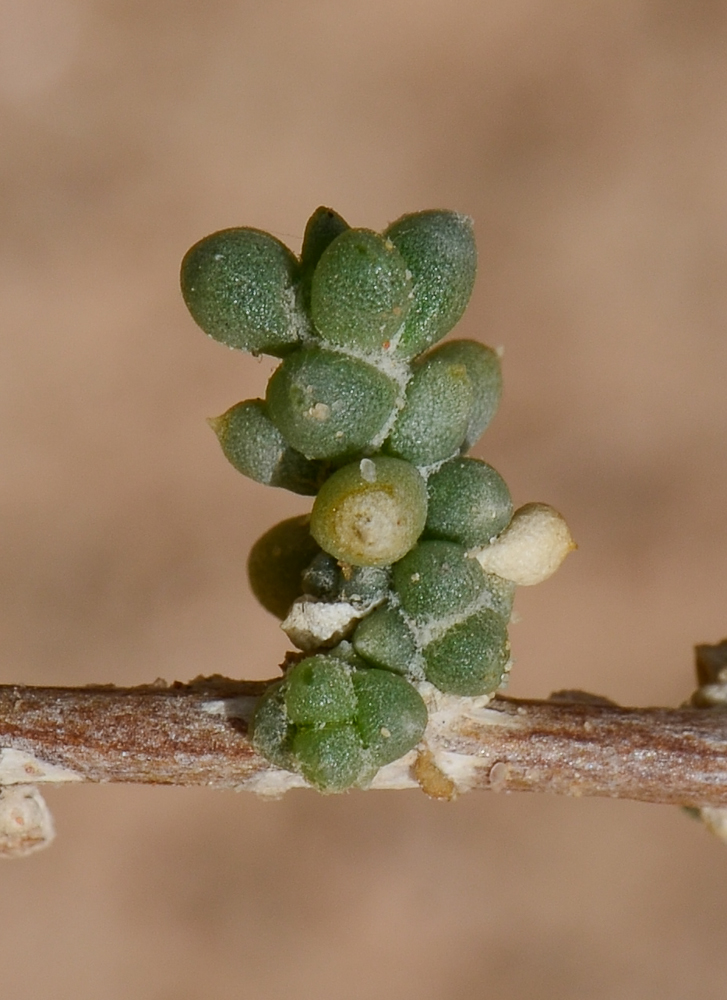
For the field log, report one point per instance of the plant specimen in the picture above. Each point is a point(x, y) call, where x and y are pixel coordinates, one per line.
point(403, 577)
point(396, 589)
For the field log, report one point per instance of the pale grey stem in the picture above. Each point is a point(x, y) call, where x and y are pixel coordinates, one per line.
point(197, 734)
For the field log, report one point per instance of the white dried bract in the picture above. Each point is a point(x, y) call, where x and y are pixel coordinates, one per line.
point(715, 819)
point(312, 623)
point(530, 549)
point(26, 824)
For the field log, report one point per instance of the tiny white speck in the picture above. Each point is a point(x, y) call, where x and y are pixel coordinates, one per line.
point(498, 776)
point(319, 411)
point(368, 470)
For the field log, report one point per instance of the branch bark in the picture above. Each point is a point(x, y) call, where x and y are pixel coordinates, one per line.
point(197, 734)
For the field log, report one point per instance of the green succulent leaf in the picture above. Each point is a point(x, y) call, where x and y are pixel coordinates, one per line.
point(331, 758)
point(272, 734)
point(255, 447)
point(436, 580)
point(345, 651)
point(439, 250)
point(322, 229)
point(483, 367)
point(362, 586)
point(471, 657)
point(385, 639)
point(469, 502)
point(319, 691)
point(361, 292)
point(499, 595)
point(276, 563)
point(391, 716)
point(328, 405)
point(240, 287)
point(433, 423)
point(322, 578)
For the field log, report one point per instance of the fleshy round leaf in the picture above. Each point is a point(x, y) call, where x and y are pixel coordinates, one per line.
point(276, 563)
point(364, 585)
point(485, 373)
point(358, 585)
point(385, 640)
point(254, 445)
point(322, 578)
point(319, 691)
point(345, 651)
point(272, 734)
point(471, 657)
point(436, 579)
point(391, 715)
point(322, 229)
point(240, 287)
point(439, 249)
point(327, 405)
point(433, 424)
point(469, 502)
point(370, 513)
point(360, 291)
point(331, 758)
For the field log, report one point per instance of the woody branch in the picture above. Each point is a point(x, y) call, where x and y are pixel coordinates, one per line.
point(197, 734)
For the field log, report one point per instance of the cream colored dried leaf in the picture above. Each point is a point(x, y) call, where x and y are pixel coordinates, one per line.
point(26, 824)
point(530, 549)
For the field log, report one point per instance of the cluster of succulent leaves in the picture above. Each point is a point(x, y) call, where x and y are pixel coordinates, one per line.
point(365, 413)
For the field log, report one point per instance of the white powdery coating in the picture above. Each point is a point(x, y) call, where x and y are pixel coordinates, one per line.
point(312, 623)
point(530, 549)
point(241, 707)
point(273, 783)
point(397, 775)
point(18, 768)
point(296, 315)
point(26, 825)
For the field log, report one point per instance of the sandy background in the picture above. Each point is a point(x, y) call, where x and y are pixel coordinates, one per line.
point(589, 142)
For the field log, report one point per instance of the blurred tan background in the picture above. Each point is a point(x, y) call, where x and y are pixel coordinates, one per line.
point(589, 142)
